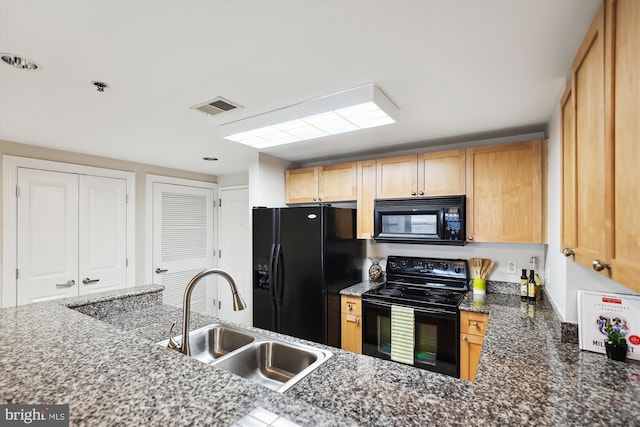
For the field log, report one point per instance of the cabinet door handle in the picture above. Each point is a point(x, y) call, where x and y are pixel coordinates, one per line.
point(568, 252)
point(470, 238)
point(413, 193)
point(320, 199)
point(421, 193)
point(88, 281)
point(69, 284)
point(161, 270)
point(464, 338)
point(599, 265)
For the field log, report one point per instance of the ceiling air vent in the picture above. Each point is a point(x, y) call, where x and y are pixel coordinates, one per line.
point(216, 106)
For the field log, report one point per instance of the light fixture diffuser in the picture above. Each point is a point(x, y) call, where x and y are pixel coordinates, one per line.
point(359, 108)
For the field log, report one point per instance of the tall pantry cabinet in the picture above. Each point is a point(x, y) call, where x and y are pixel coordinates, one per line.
point(601, 146)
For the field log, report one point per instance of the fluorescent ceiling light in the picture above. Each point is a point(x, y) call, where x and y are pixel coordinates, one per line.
point(360, 108)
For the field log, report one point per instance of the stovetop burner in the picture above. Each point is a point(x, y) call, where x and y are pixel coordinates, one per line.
point(423, 282)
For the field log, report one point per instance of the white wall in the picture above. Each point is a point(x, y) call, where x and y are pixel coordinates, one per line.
point(233, 179)
point(565, 277)
point(266, 180)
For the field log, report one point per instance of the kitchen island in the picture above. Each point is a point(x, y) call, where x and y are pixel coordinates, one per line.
point(101, 357)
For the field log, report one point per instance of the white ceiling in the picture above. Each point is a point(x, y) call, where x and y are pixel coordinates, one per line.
point(453, 67)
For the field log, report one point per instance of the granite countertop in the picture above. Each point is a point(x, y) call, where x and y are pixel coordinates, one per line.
point(111, 371)
point(360, 288)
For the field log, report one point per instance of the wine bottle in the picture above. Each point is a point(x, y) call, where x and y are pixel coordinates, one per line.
point(524, 293)
point(531, 291)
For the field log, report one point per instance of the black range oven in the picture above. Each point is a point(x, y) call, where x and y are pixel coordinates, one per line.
point(432, 289)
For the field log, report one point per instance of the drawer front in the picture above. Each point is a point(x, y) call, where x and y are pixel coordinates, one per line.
point(473, 323)
point(352, 305)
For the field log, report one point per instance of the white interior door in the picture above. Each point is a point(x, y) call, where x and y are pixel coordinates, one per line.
point(103, 234)
point(47, 237)
point(183, 242)
point(235, 250)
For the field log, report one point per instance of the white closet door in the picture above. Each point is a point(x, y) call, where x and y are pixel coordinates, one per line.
point(183, 242)
point(103, 234)
point(47, 243)
point(235, 246)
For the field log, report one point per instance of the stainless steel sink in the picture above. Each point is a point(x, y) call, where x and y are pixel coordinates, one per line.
point(214, 341)
point(273, 363)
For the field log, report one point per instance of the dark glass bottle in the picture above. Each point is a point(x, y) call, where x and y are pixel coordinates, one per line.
point(532, 288)
point(524, 293)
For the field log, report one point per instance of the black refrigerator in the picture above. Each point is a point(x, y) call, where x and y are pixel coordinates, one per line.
point(302, 258)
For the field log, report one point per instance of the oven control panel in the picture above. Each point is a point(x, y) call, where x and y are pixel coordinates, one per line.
point(429, 267)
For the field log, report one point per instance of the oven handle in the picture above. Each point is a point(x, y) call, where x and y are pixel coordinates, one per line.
point(431, 310)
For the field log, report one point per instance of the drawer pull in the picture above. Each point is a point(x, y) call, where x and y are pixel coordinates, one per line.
point(475, 324)
point(350, 306)
point(353, 319)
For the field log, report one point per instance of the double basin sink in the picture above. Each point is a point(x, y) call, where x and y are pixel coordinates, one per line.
point(273, 363)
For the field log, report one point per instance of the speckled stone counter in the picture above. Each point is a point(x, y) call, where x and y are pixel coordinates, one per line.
point(116, 374)
point(359, 288)
point(527, 376)
point(111, 372)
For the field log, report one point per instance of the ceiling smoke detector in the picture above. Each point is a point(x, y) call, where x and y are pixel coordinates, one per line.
point(19, 62)
point(216, 105)
point(100, 86)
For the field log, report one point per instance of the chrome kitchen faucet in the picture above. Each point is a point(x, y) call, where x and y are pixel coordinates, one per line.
point(238, 304)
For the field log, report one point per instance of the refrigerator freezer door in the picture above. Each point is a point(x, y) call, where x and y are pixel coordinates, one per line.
point(304, 298)
point(264, 235)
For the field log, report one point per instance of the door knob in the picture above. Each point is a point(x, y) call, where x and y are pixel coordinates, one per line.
point(161, 270)
point(599, 265)
point(69, 284)
point(87, 280)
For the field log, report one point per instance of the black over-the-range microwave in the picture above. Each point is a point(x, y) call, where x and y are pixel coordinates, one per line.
point(430, 220)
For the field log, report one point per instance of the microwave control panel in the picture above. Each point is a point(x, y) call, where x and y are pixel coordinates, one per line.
point(452, 224)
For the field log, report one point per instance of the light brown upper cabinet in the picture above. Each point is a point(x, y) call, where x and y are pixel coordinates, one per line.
point(583, 149)
point(601, 130)
point(622, 147)
point(397, 177)
point(504, 193)
point(330, 183)
point(568, 218)
point(366, 183)
point(429, 174)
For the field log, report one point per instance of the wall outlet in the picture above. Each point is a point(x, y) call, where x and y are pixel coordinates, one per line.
point(512, 266)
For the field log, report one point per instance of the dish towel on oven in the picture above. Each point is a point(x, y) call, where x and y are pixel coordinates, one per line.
point(402, 334)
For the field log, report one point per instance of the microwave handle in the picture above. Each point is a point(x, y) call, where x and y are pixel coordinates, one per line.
point(441, 224)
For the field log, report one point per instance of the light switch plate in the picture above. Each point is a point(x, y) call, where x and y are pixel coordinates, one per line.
point(512, 266)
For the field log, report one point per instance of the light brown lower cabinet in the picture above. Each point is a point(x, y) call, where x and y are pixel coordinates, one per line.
point(472, 328)
point(351, 324)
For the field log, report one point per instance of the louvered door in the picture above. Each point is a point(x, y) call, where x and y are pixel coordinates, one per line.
point(183, 242)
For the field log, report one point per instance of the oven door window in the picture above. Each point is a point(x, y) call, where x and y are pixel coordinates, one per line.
point(411, 224)
point(435, 341)
point(426, 343)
